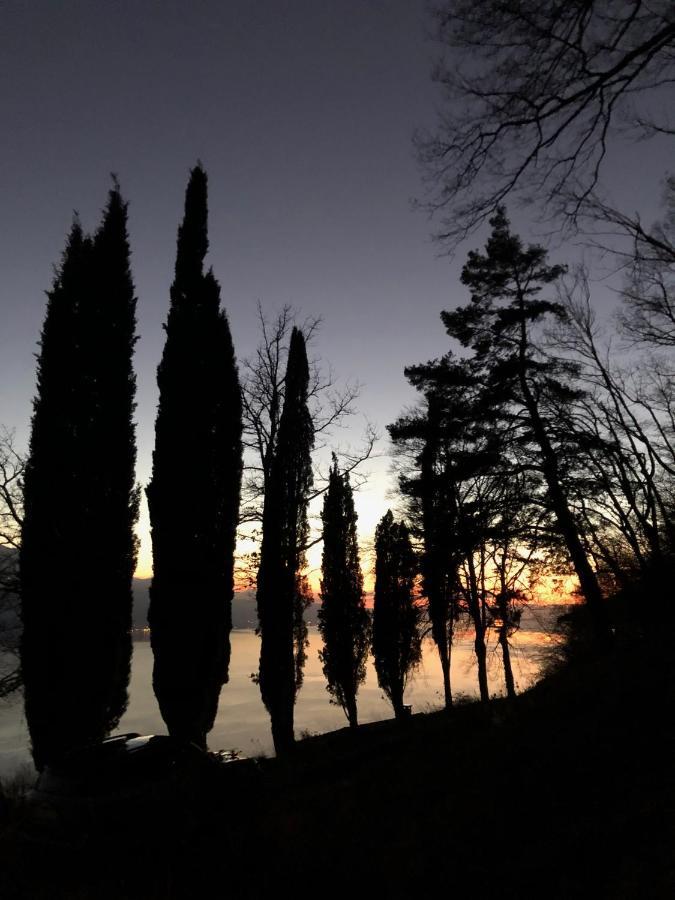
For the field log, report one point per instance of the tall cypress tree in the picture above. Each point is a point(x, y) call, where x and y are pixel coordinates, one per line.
point(281, 590)
point(110, 457)
point(194, 492)
point(397, 646)
point(80, 498)
point(343, 619)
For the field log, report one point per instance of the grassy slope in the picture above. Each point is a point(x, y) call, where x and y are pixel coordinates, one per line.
point(568, 794)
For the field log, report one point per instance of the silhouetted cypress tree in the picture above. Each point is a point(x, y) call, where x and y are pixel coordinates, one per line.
point(397, 644)
point(194, 492)
point(80, 498)
point(110, 456)
point(282, 553)
point(343, 619)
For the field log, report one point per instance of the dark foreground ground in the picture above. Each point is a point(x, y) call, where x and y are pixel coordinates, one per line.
point(569, 793)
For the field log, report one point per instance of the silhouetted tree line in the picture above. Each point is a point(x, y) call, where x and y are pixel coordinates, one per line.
point(77, 494)
point(194, 524)
point(531, 447)
point(535, 442)
point(537, 448)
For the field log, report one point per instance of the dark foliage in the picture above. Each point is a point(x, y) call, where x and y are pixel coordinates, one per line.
point(343, 619)
point(505, 283)
point(397, 645)
point(449, 484)
point(451, 453)
point(282, 591)
point(80, 500)
point(434, 512)
point(194, 492)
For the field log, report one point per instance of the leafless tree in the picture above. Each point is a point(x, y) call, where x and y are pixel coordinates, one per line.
point(263, 398)
point(12, 466)
point(625, 444)
point(533, 93)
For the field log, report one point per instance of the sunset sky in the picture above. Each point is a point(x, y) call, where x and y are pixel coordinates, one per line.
point(302, 113)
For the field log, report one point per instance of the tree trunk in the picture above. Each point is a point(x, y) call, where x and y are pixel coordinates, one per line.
point(352, 714)
point(481, 659)
point(568, 527)
point(399, 712)
point(444, 654)
point(506, 656)
point(479, 638)
point(282, 731)
point(397, 700)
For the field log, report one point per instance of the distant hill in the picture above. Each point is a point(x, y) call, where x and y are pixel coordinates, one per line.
point(244, 613)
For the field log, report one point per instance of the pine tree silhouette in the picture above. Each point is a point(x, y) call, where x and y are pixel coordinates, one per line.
point(505, 284)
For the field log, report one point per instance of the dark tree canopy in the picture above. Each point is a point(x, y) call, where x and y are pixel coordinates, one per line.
point(500, 326)
point(454, 444)
point(433, 511)
point(343, 619)
point(533, 94)
point(397, 646)
point(194, 492)
point(282, 591)
point(80, 498)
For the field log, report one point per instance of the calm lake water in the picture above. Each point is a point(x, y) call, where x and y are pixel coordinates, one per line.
point(242, 722)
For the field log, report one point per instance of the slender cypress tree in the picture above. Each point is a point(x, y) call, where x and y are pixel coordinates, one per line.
point(56, 694)
point(282, 554)
point(397, 646)
point(344, 622)
point(193, 496)
point(80, 498)
point(110, 456)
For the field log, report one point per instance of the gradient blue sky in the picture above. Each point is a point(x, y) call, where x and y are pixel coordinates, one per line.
point(302, 112)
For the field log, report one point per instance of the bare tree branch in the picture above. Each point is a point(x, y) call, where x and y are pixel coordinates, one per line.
point(263, 399)
point(12, 468)
point(533, 91)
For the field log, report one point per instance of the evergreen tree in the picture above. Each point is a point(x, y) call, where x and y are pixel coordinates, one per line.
point(281, 588)
point(194, 492)
point(344, 622)
point(505, 284)
point(454, 441)
point(80, 498)
point(433, 512)
point(397, 644)
point(110, 457)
